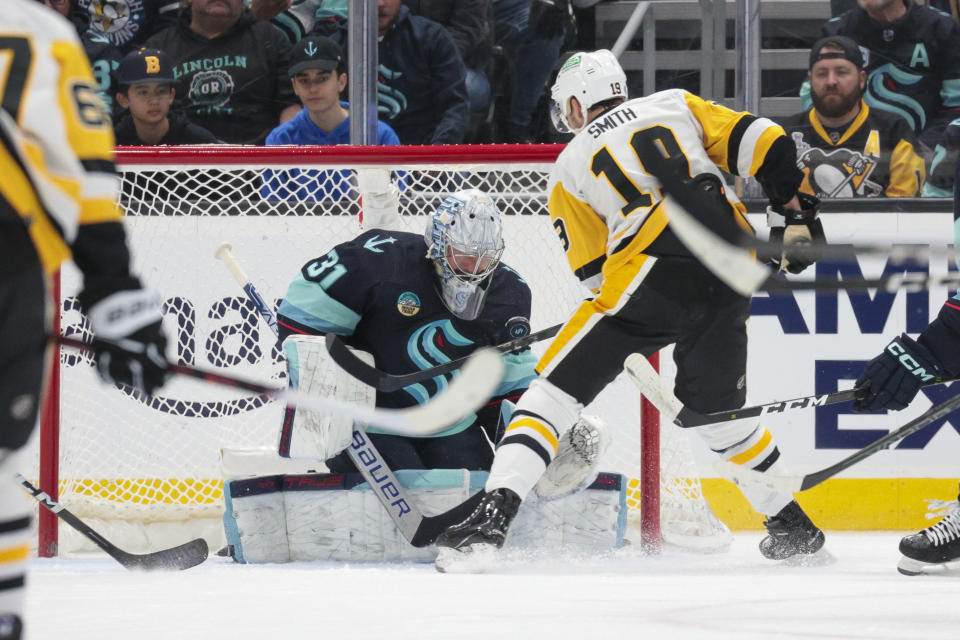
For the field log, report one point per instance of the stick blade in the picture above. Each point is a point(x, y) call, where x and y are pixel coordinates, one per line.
point(184, 556)
point(650, 384)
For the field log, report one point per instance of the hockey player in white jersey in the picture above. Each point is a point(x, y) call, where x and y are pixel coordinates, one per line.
point(650, 292)
point(58, 193)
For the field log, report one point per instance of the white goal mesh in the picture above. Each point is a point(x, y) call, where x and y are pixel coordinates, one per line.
point(147, 473)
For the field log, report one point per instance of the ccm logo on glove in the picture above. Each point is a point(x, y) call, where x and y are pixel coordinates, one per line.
point(897, 351)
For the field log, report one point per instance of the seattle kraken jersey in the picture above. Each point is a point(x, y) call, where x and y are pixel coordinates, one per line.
point(605, 206)
point(380, 292)
point(912, 65)
point(874, 156)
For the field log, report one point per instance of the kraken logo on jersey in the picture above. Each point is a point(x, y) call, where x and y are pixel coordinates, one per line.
point(408, 303)
point(425, 350)
point(889, 88)
point(391, 101)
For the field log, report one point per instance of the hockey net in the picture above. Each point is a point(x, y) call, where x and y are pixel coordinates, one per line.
point(147, 474)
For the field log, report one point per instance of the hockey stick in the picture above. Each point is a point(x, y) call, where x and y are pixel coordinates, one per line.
point(476, 382)
point(651, 385)
point(184, 556)
point(734, 264)
point(383, 381)
point(792, 484)
point(417, 529)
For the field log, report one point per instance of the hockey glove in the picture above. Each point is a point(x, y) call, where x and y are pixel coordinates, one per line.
point(799, 231)
point(130, 320)
point(892, 379)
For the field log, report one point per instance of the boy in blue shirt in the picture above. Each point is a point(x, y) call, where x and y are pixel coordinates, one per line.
point(318, 74)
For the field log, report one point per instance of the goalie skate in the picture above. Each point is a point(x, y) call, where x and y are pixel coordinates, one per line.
point(936, 548)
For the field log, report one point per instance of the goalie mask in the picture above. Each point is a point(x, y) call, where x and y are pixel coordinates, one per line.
point(465, 242)
point(591, 77)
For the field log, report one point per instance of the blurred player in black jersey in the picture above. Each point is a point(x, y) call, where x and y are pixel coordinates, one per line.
point(57, 199)
point(892, 380)
point(845, 148)
point(415, 301)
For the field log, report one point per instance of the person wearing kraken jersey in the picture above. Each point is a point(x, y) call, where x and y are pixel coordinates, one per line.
point(912, 60)
point(845, 148)
point(414, 306)
point(57, 200)
point(650, 292)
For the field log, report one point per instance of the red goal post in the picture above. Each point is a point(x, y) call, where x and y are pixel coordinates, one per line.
point(110, 457)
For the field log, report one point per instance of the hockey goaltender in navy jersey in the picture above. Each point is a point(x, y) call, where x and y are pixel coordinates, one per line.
point(380, 292)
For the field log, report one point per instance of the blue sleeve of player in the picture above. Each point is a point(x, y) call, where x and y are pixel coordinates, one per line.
point(942, 337)
point(310, 302)
point(520, 368)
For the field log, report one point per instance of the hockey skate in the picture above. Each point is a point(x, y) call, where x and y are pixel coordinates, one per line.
point(936, 546)
point(469, 546)
point(790, 532)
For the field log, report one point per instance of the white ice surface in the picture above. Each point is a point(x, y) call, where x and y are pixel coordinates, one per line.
point(856, 593)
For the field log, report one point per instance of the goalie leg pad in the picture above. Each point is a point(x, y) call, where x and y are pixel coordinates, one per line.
point(312, 370)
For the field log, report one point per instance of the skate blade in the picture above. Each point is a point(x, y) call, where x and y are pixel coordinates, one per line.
point(910, 567)
point(820, 558)
point(477, 558)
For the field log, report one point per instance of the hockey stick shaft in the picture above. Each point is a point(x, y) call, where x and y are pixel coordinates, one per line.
point(735, 265)
point(225, 253)
point(792, 484)
point(417, 529)
point(183, 556)
point(471, 389)
point(651, 385)
point(383, 381)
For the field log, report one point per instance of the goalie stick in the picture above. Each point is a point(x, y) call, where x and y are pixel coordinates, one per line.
point(184, 556)
point(653, 388)
point(651, 385)
point(417, 529)
point(475, 384)
point(383, 381)
point(722, 253)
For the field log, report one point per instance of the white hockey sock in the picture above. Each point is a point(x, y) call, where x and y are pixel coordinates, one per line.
point(515, 467)
point(760, 452)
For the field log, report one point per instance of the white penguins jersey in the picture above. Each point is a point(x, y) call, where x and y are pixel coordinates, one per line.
point(56, 138)
point(604, 206)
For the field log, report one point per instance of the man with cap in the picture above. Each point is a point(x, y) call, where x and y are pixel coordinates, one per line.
point(845, 148)
point(145, 90)
point(318, 75)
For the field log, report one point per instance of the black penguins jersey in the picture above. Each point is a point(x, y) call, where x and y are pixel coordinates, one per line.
point(912, 64)
point(380, 292)
point(873, 156)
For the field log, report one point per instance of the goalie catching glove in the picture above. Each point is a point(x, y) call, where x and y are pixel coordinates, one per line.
point(798, 230)
point(127, 321)
point(892, 379)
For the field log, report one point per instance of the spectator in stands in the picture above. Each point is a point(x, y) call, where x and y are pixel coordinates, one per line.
point(422, 81)
point(128, 23)
point(145, 89)
point(531, 33)
point(470, 22)
point(912, 55)
point(230, 70)
point(318, 75)
point(845, 148)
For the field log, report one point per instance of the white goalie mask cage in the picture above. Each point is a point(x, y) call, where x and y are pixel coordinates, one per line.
point(465, 241)
point(591, 77)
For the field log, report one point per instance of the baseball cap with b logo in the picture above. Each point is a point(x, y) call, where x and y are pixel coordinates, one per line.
point(143, 66)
